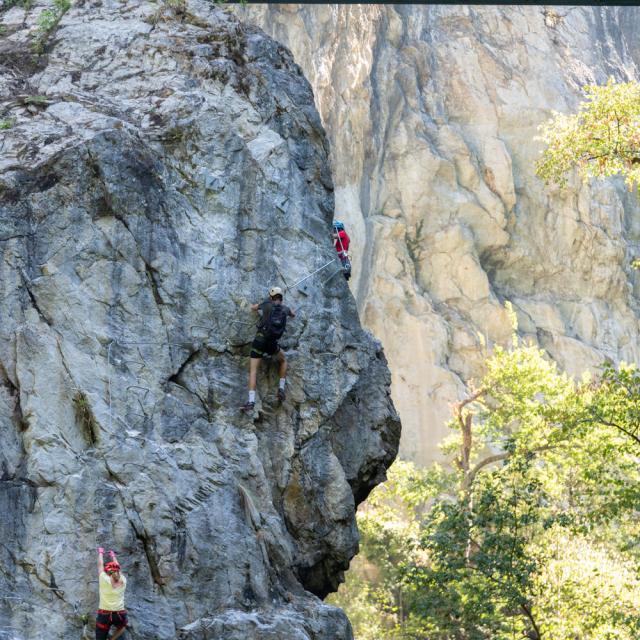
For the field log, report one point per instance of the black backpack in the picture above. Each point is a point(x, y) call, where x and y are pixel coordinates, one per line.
point(275, 323)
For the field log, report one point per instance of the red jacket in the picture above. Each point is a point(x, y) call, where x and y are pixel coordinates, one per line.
point(341, 243)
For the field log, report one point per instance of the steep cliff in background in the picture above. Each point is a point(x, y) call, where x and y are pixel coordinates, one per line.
point(160, 168)
point(431, 112)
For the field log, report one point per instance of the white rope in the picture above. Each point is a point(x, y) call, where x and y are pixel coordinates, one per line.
point(324, 266)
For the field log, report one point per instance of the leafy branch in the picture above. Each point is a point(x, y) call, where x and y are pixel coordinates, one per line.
point(48, 21)
point(601, 140)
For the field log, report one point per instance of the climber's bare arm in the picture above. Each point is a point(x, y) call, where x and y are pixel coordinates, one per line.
point(100, 560)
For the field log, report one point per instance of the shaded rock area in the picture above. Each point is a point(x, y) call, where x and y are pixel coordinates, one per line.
point(432, 113)
point(161, 166)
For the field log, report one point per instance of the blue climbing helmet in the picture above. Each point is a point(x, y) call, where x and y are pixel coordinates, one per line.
point(338, 226)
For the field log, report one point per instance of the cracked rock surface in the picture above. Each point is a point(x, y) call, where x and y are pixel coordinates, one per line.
point(432, 114)
point(161, 168)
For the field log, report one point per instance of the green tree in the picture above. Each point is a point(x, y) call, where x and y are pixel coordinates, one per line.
point(376, 596)
point(544, 491)
point(616, 402)
point(601, 140)
point(586, 589)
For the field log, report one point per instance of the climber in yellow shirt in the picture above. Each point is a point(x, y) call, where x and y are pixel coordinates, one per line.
point(111, 611)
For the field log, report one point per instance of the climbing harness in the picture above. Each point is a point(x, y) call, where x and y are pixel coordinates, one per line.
point(110, 613)
point(104, 620)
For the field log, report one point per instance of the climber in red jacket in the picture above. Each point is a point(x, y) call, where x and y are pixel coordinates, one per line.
point(341, 242)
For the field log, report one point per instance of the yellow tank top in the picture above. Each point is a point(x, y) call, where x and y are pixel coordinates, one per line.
point(111, 598)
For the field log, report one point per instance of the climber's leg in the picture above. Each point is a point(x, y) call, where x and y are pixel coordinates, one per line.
point(282, 363)
point(121, 625)
point(254, 363)
point(258, 350)
point(282, 370)
point(118, 633)
point(103, 625)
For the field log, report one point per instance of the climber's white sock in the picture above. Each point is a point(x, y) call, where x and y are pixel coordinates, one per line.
point(282, 383)
point(252, 396)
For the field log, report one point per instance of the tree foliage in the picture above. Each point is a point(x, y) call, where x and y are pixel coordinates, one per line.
point(601, 140)
point(530, 533)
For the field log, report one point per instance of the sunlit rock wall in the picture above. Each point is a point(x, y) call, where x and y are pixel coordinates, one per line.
point(431, 113)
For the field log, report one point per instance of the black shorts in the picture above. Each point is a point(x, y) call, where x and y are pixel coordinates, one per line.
point(107, 619)
point(262, 346)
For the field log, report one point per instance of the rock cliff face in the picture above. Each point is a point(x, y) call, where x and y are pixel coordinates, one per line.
point(431, 112)
point(161, 166)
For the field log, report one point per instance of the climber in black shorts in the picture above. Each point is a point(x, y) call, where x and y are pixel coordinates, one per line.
point(271, 326)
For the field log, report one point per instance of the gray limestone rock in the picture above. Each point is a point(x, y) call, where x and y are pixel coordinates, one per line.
point(161, 166)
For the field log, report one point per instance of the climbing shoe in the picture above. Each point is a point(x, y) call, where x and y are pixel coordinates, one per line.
point(281, 395)
point(248, 407)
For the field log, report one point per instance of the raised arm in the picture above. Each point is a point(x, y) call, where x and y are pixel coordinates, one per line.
point(100, 560)
point(255, 307)
point(292, 313)
point(112, 555)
